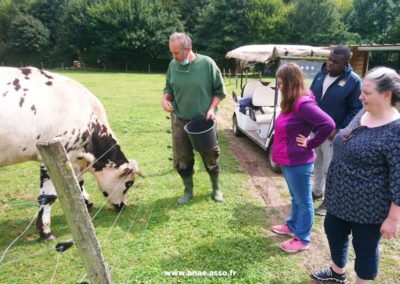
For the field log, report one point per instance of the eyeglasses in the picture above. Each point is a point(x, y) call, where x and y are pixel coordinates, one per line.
point(350, 134)
point(180, 66)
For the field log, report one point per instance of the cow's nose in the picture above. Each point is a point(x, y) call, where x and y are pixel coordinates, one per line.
point(119, 207)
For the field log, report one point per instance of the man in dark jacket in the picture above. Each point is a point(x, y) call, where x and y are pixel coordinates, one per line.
point(337, 89)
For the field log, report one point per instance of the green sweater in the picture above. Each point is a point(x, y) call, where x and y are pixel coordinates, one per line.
point(193, 86)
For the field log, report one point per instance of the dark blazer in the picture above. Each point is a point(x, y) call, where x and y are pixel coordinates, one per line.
point(341, 100)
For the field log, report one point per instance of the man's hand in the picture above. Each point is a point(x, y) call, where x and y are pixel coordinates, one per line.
point(210, 115)
point(211, 111)
point(167, 103)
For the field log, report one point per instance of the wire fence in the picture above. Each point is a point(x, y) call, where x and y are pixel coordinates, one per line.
point(61, 247)
point(79, 65)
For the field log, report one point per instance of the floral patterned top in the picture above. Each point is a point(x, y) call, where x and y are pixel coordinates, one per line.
point(364, 175)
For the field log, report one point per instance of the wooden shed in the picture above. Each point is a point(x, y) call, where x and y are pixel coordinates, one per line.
point(359, 60)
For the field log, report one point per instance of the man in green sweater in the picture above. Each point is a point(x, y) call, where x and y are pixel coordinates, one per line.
point(194, 87)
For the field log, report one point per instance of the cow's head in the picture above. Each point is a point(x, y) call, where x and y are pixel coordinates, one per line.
point(115, 181)
point(113, 172)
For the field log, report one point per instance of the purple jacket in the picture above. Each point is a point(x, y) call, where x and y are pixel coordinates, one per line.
point(305, 117)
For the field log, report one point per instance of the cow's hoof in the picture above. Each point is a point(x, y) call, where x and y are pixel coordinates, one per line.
point(47, 237)
point(89, 206)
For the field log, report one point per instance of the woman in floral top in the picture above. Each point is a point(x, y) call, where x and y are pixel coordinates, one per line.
point(363, 184)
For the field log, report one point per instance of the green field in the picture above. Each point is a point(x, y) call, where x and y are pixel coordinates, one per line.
point(153, 235)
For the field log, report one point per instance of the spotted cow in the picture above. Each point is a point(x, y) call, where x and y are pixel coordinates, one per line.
point(36, 105)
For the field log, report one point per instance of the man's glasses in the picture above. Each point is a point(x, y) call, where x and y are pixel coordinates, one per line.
point(180, 68)
point(350, 134)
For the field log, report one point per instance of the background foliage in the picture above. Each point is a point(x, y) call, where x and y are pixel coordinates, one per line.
point(133, 34)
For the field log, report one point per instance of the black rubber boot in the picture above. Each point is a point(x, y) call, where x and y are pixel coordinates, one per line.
point(188, 193)
point(217, 193)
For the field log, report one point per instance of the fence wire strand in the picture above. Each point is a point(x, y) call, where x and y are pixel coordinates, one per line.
point(25, 257)
point(95, 161)
point(129, 228)
point(55, 268)
point(141, 241)
point(33, 219)
point(20, 235)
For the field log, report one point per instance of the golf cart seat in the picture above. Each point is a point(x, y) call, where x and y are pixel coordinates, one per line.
point(249, 88)
point(264, 98)
point(247, 91)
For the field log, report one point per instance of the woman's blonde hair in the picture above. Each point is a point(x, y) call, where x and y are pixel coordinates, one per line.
point(293, 85)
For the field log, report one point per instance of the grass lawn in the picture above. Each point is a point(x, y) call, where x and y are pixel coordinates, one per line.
point(153, 235)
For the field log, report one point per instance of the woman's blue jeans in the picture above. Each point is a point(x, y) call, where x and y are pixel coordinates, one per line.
point(300, 221)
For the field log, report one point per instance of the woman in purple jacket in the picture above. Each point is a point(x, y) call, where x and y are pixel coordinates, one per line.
point(299, 115)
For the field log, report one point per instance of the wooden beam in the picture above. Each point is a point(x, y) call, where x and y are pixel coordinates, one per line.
point(73, 205)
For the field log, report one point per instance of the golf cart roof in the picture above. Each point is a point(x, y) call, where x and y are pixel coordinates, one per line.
point(266, 52)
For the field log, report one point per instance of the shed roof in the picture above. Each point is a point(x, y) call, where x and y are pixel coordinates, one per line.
point(378, 47)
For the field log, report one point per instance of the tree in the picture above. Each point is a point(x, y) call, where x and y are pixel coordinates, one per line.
point(372, 20)
point(28, 34)
point(317, 22)
point(189, 12)
point(394, 31)
point(344, 8)
point(267, 21)
point(6, 15)
point(221, 27)
point(131, 30)
point(48, 12)
point(74, 30)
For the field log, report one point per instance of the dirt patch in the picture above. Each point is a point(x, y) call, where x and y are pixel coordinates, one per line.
point(270, 187)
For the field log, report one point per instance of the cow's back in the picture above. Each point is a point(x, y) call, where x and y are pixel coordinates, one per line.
point(37, 106)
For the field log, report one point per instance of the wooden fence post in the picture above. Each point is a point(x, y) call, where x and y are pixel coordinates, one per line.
point(73, 205)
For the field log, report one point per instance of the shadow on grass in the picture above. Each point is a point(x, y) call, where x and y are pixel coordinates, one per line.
point(147, 214)
point(11, 229)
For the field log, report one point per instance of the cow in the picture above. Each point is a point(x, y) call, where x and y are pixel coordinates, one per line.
point(36, 105)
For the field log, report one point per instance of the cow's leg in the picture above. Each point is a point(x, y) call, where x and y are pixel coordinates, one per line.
point(89, 204)
point(47, 196)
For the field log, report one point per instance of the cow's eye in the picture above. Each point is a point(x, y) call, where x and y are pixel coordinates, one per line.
point(128, 184)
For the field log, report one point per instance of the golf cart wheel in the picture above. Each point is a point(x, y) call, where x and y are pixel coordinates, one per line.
point(276, 168)
point(235, 128)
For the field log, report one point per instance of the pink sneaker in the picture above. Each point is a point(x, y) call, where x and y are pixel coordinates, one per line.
point(282, 230)
point(294, 245)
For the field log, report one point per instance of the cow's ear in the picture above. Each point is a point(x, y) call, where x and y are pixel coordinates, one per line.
point(126, 172)
point(86, 156)
point(134, 166)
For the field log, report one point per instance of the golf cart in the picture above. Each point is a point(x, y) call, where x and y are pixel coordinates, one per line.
point(259, 102)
